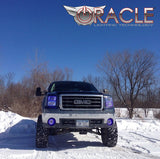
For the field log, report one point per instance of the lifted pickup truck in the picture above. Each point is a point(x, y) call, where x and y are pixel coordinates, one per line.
point(70, 106)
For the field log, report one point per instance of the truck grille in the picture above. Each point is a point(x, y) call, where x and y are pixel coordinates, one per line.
point(81, 102)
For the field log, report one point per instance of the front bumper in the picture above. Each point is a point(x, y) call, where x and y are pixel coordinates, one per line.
point(66, 119)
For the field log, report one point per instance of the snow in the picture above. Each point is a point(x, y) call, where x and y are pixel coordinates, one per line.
point(138, 113)
point(138, 139)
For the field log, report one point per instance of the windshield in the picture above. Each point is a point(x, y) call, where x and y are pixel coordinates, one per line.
point(71, 86)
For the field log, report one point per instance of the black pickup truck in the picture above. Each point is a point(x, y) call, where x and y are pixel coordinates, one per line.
point(71, 106)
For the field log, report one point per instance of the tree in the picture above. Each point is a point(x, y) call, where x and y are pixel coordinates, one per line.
point(2, 91)
point(97, 81)
point(39, 76)
point(129, 73)
point(20, 97)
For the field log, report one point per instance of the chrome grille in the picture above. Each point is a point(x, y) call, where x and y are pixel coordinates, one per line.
point(81, 102)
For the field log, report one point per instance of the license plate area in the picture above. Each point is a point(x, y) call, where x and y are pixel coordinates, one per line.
point(82, 123)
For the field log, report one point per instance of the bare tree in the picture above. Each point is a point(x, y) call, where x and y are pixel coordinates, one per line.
point(39, 76)
point(20, 97)
point(129, 73)
point(9, 77)
point(6, 83)
point(97, 81)
point(61, 75)
point(2, 91)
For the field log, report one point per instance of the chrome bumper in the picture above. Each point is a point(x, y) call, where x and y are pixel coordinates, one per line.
point(59, 116)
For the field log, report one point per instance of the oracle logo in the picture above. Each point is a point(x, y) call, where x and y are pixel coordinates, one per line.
point(86, 15)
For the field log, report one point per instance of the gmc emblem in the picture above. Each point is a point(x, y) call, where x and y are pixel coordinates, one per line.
point(80, 102)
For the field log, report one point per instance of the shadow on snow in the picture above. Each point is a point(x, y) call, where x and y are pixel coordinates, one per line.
point(22, 136)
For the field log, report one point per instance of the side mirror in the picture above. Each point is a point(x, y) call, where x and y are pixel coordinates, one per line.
point(106, 91)
point(38, 91)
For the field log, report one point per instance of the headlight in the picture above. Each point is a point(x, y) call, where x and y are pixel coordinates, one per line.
point(108, 102)
point(52, 101)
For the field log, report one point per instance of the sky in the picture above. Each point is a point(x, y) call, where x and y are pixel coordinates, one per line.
point(45, 27)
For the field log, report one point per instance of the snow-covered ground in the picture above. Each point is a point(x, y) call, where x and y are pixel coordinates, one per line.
point(138, 139)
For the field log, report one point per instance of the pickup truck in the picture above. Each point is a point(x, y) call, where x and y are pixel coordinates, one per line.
point(72, 106)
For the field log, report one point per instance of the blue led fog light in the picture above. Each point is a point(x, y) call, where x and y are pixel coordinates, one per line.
point(110, 122)
point(51, 121)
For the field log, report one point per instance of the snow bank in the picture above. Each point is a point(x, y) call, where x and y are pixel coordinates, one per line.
point(8, 119)
point(14, 124)
point(142, 125)
point(138, 113)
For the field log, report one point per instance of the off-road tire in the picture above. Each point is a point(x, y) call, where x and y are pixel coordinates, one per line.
point(41, 134)
point(109, 136)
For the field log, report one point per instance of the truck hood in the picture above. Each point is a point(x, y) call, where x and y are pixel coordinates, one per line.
point(77, 92)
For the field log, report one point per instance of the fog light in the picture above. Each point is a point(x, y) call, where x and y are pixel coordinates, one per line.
point(51, 121)
point(110, 122)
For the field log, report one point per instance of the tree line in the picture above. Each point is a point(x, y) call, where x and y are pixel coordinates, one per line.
point(132, 78)
point(20, 97)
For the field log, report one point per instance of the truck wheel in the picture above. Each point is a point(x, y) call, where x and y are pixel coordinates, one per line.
point(109, 136)
point(41, 134)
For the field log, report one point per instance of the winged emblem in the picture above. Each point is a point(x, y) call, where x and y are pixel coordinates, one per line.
point(83, 15)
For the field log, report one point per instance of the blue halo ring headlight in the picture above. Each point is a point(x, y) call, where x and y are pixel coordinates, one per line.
point(51, 121)
point(110, 122)
point(52, 101)
point(108, 102)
